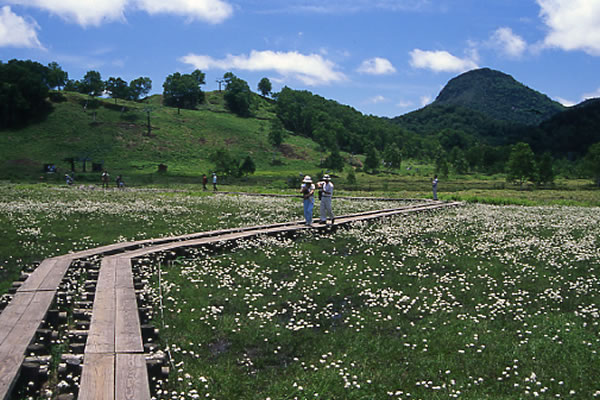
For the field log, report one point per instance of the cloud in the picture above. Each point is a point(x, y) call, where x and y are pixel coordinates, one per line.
point(592, 95)
point(15, 31)
point(565, 102)
point(509, 43)
point(82, 12)
point(341, 6)
point(441, 61)
point(404, 104)
point(573, 24)
point(95, 13)
point(376, 100)
point(212, 11)
point(425, 100)
point(310, 69)
point(376, 66)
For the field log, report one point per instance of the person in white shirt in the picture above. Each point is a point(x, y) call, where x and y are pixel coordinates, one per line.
point(434, 187)
point(308, 199)
point(326, 188)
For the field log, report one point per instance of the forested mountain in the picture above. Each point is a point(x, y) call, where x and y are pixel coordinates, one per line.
point(573, 131)
point(489, 105)
point(498, 96)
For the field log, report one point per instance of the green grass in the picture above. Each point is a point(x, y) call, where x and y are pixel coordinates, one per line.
point(478, 302)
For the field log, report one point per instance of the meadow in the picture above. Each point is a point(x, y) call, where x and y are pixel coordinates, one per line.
point(480, 301)
point(476, 302)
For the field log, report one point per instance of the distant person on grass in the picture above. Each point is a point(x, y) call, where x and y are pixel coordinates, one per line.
point(434, 187)
point(325, 195)
point(105, 177)
point(204, 182)
point(214, 181)
point(308, 190)
point(119, 182)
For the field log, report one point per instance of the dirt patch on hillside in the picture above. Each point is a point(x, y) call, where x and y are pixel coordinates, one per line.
point(290, 151)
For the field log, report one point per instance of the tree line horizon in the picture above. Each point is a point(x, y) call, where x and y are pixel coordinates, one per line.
point(336, 128)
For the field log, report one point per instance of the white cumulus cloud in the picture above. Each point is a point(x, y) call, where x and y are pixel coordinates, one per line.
point(573, 24)
point(377, 66)
point(440, 61)
point(82, 12)
point(508, 42)
point(310, 69)
point(95, 12)
point(212, 11)
point(15, 31)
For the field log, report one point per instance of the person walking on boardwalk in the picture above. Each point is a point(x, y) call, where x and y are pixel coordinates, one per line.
point(434, 187)
point(105, 177)
point(326, 189)
point(204, 182)
point(214, 181)
point(308, 191)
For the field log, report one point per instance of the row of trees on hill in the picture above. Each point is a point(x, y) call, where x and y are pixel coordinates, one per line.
point(117, 88)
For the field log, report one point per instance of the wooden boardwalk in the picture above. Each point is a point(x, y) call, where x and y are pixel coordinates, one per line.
point(114, 365)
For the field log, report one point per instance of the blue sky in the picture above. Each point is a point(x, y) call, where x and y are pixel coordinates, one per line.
point(382, 57)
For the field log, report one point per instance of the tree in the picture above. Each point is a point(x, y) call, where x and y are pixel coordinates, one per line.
point(276, 133)
point(545, 171)
point(224, 162)
point(441, 166)
point(92, 84)
point(393, 156)
point(372, 159)
point(520, 167)
point(592, 162)
point(23, 92)
point(139, 88)
point(248, 167)
point(264, 86)
point(238, 96)
point(458, 160)
point(183, 91)
point(351, 177)
point(117, 88)
point(57, 78)
point(334, 161)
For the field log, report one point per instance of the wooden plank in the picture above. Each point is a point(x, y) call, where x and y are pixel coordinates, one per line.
point(128, 334)
point(56, 274)
point(14, 311)
point(38, 275)
point(98, 377)
point(132, 378)
point(123, 273)
point(10, 366)
point(101, 336)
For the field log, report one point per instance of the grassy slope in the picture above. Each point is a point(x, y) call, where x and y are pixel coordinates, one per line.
point(182, 141)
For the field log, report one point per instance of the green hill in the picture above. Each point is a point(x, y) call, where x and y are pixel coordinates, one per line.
point(486, 105)
point(498, 96)
point(116, 136)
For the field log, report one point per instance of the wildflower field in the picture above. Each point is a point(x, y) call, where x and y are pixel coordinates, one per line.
point(474, 302)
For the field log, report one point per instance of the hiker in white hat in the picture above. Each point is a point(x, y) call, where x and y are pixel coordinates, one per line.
point(308, 190)
point(326, 192)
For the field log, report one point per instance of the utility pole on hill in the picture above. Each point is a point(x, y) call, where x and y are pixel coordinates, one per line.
point(220, 81)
